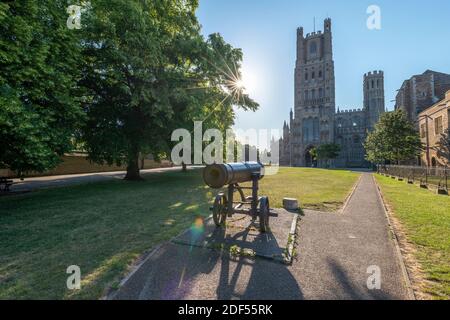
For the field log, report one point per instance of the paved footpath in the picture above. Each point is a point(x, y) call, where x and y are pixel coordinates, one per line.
point(334, 251)
point(35, 183)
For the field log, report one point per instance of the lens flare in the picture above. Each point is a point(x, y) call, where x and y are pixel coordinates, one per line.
point(197, 229)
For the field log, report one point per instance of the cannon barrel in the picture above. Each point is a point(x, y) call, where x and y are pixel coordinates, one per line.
point(218, 175)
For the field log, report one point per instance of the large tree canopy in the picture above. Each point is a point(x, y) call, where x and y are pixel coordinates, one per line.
point(148, 71)
point(39, 58)
point(394, 139)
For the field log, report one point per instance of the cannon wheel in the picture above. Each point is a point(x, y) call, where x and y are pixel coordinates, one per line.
point(264, 211)
point(220, 210)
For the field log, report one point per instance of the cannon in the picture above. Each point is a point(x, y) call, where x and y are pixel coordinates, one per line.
point(218, 176)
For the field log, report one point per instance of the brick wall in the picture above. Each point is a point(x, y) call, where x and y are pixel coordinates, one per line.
point(78, 163)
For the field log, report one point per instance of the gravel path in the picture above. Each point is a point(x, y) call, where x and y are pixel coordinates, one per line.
point(30, 184)
point(334, 254)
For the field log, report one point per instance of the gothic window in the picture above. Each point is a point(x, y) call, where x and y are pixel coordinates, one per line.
point(313, 48)
point(373, 84)
point(356, 139)
point(316, 129)
point(307, 129)
point(320, 74)
point(320, 93)
point(313, 93)
point(378, 83)
point(306, 76)
point(306, 95)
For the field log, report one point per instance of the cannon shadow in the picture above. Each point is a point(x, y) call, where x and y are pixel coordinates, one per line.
point(189, 272)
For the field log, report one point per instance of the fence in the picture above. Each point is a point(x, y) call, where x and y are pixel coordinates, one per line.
point(426, 176)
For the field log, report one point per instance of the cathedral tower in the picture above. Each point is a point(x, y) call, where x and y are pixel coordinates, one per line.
point(314, 93)
point(374, 104)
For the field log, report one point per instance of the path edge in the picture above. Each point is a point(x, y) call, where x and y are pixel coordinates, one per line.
point(140, 261)
point(405, 274)
point(350, 195)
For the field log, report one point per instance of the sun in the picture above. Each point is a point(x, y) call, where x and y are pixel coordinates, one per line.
point(240, 84)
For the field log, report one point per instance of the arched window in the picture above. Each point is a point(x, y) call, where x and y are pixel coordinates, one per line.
point(320, 73)
point(313, 75)
point(320, 93)
point(313, 93)
point(306, 75)
point(316, 130)
point(373, 84)
point(313, 48)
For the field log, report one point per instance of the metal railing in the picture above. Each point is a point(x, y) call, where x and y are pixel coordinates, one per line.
point(426, 176)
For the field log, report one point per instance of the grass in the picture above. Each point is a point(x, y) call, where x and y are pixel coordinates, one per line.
point(425, 217)
point(102, 227)
point(316, 189)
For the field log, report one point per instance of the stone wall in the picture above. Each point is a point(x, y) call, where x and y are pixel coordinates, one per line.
point(78, 163)
point(431, 135)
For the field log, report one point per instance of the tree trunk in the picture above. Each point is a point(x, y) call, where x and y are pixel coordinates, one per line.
point(133, 166)
point(142, 162)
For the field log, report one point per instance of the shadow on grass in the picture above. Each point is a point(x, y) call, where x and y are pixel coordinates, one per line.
point(101, 227)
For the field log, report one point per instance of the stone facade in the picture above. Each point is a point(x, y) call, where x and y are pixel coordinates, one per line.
point(315, 120)
point(433, 124)
point(421, 91)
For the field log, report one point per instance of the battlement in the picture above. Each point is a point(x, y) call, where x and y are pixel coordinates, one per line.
point(313, 34)
point(376, 73)
point(326, 29)
point(349, 111)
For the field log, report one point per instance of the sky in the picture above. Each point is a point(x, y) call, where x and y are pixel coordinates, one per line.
point(414, 37)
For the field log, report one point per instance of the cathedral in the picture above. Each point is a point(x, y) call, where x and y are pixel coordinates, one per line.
point(315, 120)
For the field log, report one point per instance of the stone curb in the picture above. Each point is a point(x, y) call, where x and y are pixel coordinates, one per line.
point(405, 274)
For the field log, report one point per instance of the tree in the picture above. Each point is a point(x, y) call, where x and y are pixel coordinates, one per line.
point(148, 71)
point(394, 139)
point(39, 58)
point(325, 152)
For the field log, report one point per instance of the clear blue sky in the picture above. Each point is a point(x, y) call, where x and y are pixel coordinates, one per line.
point(414, 36)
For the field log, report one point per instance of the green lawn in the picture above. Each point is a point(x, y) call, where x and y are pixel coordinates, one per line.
point(426, 219)
point(315, 188)
point(102, 227)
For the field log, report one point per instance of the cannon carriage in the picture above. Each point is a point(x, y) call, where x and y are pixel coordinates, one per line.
point(231, 175)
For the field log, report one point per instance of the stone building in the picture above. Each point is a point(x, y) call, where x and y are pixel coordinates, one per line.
point(434, 123)
point(315, 120)
point(421, 91)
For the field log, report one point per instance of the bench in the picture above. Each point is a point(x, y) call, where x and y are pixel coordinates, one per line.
point(5, 184)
